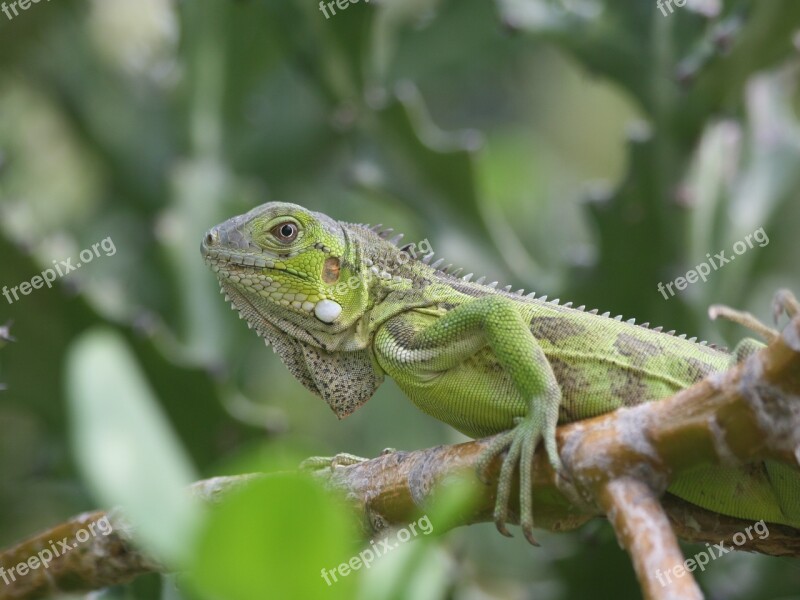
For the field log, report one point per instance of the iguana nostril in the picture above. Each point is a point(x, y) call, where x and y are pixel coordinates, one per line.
point(210, 239)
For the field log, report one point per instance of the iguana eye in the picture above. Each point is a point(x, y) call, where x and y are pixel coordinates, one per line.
point(286, 232)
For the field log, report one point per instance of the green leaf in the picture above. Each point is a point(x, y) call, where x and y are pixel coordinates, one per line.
point(273, 539)
point(126, 447)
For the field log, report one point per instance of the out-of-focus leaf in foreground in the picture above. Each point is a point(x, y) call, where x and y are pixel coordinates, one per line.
point(125, 446)
point(273, 539)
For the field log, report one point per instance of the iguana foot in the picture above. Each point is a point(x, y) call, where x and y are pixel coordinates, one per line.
point(784, 302)
point(343, 459)
point(521, 443)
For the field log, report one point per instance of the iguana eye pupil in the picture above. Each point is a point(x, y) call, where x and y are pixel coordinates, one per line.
point(286, 232)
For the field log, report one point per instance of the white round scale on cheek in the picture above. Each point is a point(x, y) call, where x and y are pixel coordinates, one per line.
point(327, 310)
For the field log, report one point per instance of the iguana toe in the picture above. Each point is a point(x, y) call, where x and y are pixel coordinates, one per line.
point(521, 443)
point(526, 486)
point(498, 446)
point(505, 482)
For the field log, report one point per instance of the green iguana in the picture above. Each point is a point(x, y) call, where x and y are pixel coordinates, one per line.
point(343, 306)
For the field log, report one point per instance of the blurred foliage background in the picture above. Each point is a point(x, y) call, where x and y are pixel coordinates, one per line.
point(584, 149)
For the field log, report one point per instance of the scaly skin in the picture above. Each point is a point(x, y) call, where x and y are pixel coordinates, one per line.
point(343, 307)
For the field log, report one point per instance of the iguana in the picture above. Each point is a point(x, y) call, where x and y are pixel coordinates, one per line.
point(344, 306)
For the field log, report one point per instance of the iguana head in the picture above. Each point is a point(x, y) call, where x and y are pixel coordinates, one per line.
point(288, 263)
point(303, 281)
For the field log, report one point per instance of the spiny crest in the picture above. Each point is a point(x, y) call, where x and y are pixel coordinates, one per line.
point(448, 270)
point(383, 233)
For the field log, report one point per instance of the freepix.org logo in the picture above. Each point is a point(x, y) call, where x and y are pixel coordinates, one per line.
point(701, 559)
point(45, 556)
point(383, 547)
point(60, 268)
point(719, 260)
point(9, 8)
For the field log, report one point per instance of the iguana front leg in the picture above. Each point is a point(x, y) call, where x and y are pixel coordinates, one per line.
point(343, 459)
point(416, 358)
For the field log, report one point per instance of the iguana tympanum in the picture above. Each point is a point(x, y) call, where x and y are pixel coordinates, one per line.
point(343, 306)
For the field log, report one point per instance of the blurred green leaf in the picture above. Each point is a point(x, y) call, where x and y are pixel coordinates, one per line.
point(417, 565)
point(125, 446)
point(273, 539)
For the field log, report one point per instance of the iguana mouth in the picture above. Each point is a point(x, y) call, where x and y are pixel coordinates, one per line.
point(238, 261)
point(220, 255)
point(230, 263)
point(228, 245)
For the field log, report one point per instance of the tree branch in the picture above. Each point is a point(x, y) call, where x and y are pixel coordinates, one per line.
point(618, 465)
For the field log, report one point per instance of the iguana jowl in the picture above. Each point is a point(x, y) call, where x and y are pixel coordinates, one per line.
point(342, 307)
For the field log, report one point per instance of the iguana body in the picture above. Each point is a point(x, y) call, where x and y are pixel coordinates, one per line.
point(343, 306)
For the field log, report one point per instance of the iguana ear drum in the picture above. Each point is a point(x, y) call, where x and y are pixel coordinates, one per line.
point(330, 270)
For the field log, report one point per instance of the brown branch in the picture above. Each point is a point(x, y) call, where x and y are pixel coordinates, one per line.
point(618, 464)
point(99, 562)
point(644, 530)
